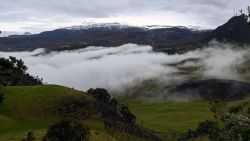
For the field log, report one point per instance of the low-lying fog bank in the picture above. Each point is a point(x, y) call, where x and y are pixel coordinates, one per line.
point(124, 67)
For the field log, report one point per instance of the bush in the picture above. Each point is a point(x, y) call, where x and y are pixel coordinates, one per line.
point(204, 128)
point(248, 110)
point(67, 131)
point(100, 94)
point(235, 109)
point(207, 128)
point(231, 124)
point(30, 137)
point(1, 97)
point(110, 108)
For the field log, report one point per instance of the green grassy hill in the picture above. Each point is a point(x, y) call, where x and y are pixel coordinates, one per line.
point(34, 108)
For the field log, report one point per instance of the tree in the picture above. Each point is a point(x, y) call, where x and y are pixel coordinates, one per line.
point(248, 9)
point(231, 124)
point(100, 94)
point(235, 109)
point(67, 131)
point(1, 97)
point(30, 137)
point(13, 73)
point(126, 116)
point(207, 128)
point(241, 12)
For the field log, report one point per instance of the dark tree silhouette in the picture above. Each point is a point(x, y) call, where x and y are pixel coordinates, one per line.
point(30, 137)
point(13, 73)
point(67, 131)
point(1, 97)
point(248, 14)
point(241, 11)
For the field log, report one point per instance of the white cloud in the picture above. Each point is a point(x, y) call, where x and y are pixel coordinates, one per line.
point(112, 68)
point(118, 68)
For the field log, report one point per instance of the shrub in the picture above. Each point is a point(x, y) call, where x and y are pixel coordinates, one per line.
point(1, 97)
point(235, 109)
point(207, 128)
point(231, 124)
point(30, 137)
point(67, 131)
point(248, 110)
point(100, 94)
point(204, 128)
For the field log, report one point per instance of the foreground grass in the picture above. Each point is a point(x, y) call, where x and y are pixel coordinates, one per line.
point(35, 108)
point(170, 118)
point(32, 108)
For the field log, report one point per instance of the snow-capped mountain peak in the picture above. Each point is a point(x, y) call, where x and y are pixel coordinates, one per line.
point(89, 25)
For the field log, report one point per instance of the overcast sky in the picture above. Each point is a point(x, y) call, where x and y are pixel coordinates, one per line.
point(40, 15)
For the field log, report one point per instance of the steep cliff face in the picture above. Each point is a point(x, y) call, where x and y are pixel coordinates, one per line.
point(236, 30)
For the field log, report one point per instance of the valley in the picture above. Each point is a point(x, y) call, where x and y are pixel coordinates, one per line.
point(118, 82)
point(21, 113)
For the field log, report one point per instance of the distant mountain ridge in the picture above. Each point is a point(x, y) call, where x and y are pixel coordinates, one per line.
point(161, 38)
point(91, 25)
point(176, 39)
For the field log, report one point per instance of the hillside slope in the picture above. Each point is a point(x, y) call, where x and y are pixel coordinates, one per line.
point(34, 108)
point(236, 30)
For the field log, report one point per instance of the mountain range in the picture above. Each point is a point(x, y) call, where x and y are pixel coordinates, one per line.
point(176, 39)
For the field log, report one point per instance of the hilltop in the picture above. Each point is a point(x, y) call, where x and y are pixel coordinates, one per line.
point(34, 108)
point(236, 30)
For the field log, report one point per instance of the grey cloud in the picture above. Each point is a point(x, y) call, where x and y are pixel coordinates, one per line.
point(211, 12)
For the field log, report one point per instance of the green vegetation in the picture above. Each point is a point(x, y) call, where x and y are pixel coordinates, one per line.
point(31, 109)
point(1, 97)
point(13, 73)
point(57, 113)
point(42, 102)
point(67, 131)
point(170, 118)
point(35, 108)
point(30, 137)
point(117, 118)
point(231, 123)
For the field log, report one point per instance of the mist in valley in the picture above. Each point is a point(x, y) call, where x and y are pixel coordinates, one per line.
point(119, 69)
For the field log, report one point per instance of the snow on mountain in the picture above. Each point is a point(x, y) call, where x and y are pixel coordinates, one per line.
point(91, 25)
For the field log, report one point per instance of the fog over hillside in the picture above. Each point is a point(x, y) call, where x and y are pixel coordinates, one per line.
point(119, 68)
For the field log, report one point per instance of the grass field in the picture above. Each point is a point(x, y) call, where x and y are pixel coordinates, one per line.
point(170, 118)
point(32, 108)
